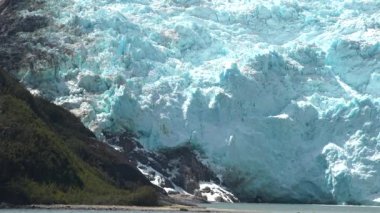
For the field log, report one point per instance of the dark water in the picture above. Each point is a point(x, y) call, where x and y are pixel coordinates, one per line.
point(279, 208)
point(258, 208)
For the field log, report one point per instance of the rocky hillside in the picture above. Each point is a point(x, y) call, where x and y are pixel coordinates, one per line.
point(48, 156)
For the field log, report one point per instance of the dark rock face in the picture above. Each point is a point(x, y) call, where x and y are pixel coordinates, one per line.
point(3, 4)
point(186, 160)
point(29, 24)
point(178, 166)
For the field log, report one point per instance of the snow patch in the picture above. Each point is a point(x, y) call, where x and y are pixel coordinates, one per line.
point(216, 193)
point(159, 179)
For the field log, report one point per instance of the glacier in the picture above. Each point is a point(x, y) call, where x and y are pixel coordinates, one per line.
point(282, 95)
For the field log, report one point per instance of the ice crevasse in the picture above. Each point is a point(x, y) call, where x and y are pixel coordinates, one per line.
point(282, 96)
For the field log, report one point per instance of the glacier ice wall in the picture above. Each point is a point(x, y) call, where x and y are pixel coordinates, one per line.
point(283, 96)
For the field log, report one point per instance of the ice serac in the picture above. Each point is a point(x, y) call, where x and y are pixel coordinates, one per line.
point(282, 96)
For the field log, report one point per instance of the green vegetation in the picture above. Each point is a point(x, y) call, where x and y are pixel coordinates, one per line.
point(47, 156)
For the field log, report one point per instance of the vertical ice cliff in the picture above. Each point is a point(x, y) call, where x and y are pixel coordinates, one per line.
point(283, 96)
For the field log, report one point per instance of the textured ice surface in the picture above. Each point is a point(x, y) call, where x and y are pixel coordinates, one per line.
point(282, 95)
